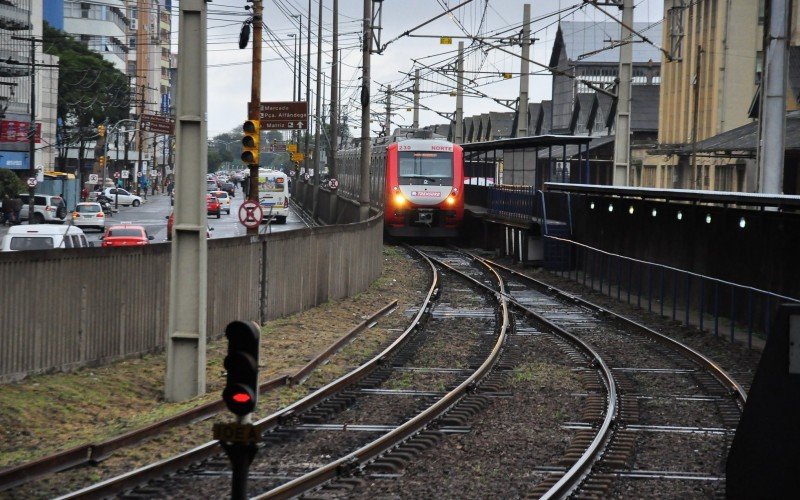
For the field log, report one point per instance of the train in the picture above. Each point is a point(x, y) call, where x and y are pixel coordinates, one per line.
point(418, 182)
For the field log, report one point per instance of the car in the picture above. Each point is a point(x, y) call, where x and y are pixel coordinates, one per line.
point(213, 206)
point(224, 200)
point(211, 185)
point(125, 235)
point(125, 198)
point(89, 214)
point(47, 208)
point(171, 222)
point(229, 188)
point(43, 237)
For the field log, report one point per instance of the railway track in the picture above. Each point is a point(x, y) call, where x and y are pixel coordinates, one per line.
point(302, 441)
point(358, 435)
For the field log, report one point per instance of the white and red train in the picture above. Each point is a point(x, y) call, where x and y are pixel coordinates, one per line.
point(419, 184)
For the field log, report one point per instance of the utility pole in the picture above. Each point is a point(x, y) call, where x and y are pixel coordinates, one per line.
point(138, 168)
point(334, 92)
point(366, 47)
point(387, 127)
point(186, 342)
point(415, 123)
point(317, 109)
point(772, 122)
point(458, 136)
point(697, 182)
point(522, 104)
point(308, 84)
point(32, 136)
point(254, 113)
point(622, 142)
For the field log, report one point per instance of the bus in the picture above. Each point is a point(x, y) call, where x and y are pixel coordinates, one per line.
point(273, 191)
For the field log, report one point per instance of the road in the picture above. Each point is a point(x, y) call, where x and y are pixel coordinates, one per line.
point(154, 212)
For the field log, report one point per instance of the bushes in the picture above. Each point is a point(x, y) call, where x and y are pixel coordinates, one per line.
point(10, 184)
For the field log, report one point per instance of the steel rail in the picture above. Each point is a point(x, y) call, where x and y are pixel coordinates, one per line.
point(133, 478)
point(97, 452)
point(347, 464)
point(575, 474)
point(736, 389)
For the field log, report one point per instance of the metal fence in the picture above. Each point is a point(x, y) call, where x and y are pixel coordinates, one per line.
point(62, 309)
point(720, 307)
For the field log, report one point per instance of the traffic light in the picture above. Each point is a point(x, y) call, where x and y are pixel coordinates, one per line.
point(241, 363)
point(101, 130)
point(252, 131)
point(101, 161)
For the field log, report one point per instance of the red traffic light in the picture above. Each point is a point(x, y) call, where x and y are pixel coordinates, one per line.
point(241, 397)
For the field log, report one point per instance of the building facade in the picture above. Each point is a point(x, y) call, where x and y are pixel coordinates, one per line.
point(708, 87)
point(21, 21)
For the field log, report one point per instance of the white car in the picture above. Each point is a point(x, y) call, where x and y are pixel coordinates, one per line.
point(89, 214)
point(42, 237)
point(224, 200)
point(125, 198)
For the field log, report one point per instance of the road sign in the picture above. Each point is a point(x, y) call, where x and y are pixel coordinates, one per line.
point(278, 147)
point(32, 182)
point(298, 156)
point(250, 214)
point(126, 174)
point(94, 178)
point(116, 175)
point(292, 147)
point(287, 115)
point(333, 184)
point(158, 124)
point(445, 40)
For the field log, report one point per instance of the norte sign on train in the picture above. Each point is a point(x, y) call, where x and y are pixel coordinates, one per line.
point(288, 115)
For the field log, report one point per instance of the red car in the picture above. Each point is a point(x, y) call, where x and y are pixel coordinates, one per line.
point(171, 222)
point(213, 205)
point(126, 235)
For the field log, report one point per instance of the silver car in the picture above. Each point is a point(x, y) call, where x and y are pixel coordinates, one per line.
point(89, 214)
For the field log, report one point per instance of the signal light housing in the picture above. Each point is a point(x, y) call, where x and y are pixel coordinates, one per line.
point(101, 130)
point(241, 363)
point(250, 142)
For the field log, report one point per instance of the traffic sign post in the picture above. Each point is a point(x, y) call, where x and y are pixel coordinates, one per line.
point(251, 214)
point(32, 182)
point(158, 124)
point(94, 178)
point(290, 115)
point(333, 184)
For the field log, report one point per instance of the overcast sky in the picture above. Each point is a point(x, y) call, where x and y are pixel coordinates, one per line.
point(229, 68)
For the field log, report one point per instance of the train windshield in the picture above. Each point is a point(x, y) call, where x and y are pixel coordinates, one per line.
point(426, 167)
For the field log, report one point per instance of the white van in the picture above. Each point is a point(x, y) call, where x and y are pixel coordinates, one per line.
point(273, 192)
point(42, 237)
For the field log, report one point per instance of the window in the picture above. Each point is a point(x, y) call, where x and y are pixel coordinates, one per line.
point(675, 17)
point(435, 168)
point(123, 231)
point(85, 8)
point(88, 209)
point(76, 241)
point(761, 11)
point(132, 42)
point(759, 66)
point(31, 243)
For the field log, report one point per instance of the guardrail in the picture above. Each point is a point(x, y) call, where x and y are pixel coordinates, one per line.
point(63, 309)
point(721, 307)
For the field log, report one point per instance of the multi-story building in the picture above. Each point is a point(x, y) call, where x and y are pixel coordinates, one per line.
point(709, 87)
point(20, 27)
point(102, 25)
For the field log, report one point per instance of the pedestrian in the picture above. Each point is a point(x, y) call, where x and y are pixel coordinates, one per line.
point(154, 187)
point(7, 209)
point(144, 187)
point(16, 204)
point(84, 193)
point(170, 187)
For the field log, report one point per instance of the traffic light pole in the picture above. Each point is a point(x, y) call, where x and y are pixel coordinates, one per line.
point(254, 113)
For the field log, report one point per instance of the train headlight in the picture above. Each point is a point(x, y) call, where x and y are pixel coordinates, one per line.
point(399, 199)
point(451, 200)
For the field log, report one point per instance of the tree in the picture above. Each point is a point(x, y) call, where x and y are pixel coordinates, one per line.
point(91, 91)
point(10, 184)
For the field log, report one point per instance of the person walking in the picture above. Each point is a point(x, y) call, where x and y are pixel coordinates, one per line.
point(170, 187)
point(8, 210)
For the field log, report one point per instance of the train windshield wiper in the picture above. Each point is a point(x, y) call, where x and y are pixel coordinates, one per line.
point(432, 179)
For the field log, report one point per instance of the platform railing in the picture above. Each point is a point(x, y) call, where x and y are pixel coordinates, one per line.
point(742, 313)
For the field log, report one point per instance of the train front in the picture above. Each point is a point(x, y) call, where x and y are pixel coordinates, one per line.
point(425, 188)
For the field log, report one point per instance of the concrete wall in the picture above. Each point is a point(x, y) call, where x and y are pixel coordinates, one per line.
point(62, 309)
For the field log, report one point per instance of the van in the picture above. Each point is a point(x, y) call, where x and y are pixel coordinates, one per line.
point(42, 237)
point(273, 190)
